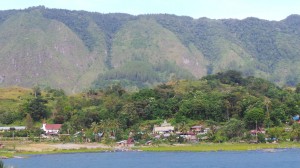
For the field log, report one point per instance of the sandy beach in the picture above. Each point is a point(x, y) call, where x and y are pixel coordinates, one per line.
point(40, 147)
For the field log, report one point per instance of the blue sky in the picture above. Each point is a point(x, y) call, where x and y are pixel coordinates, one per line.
point(215, 9)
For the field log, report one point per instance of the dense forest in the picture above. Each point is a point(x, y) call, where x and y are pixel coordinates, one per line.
point(227, 103)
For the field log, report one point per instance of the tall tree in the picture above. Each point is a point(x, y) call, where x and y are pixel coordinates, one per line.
point(36, 108)
point(254, 116)
point(29, 122)
point(234, 128)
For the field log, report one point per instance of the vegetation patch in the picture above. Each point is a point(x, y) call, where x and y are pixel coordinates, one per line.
point(219, 147)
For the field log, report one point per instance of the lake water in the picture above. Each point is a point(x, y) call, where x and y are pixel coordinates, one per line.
point(281, 158)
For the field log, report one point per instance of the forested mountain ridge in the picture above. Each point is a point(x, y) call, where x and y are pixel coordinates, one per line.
point(75, 50)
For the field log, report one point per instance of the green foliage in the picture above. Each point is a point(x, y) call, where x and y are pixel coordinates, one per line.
point(261, 138)
point(29, 122)
point(295, 134)
point(278, 116)
point(203, 106)
point(219, 136)
point(36, 108)
point(254, 117)
point(7, 117)
point(231, 77)
point(276, 132)
point(298, 88)
point(227, 107)
point(141, 74)
point(234, 128)
point(21, 133)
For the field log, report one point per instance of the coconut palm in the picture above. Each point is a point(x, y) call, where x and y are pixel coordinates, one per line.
point(183, 127)
point(109, 126)
point(267, 103)
point(95, 129)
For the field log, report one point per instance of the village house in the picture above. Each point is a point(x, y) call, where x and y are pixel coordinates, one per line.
point(189, 136)
point(126, 143)
point(197, 129)
point(122, 143)
point(51, 129)
point(164, 129)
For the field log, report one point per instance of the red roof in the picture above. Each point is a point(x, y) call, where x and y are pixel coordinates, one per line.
point(53, 126)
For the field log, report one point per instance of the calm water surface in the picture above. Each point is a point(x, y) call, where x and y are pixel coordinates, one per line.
point(282, 158)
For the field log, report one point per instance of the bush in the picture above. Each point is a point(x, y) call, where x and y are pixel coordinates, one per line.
point(65, 138)
point(261, 138)
point(7, 118)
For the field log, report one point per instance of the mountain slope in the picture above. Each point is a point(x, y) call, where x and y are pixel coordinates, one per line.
point(75, 50)
point(35, 50)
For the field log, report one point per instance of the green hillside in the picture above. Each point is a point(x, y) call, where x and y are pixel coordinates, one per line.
point(76, 50)
point(227, 103)
point(36, 50)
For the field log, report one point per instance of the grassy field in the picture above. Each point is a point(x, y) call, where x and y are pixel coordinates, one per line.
point(14, 93)
point(217, 147)
point(12, 97)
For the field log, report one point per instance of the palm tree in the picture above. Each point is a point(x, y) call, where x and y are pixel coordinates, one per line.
point(67, 127)
point(114, 126)
point(183, 127)
point(109, 126)
point(95, 129)
point(267, 103)
point(227, 105)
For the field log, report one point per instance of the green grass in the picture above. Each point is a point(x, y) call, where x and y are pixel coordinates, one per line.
point(7, 153)
point(218, 147)
point(12, 97)
point(13, 93)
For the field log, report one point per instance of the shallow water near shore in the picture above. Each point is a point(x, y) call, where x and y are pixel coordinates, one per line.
point(276, 158)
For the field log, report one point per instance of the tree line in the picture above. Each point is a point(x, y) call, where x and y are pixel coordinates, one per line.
point(227, 102)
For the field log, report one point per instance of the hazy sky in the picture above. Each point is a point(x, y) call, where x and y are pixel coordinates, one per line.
point(215, 9)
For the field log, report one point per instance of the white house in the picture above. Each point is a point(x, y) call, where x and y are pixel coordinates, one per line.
point(163, 128)
point(51, 129)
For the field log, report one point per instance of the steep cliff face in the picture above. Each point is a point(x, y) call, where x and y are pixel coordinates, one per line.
point(75, 50)
point(36, 50)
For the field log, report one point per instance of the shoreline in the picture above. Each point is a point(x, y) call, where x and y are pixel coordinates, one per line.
point(95, 148)
point(213, 147)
